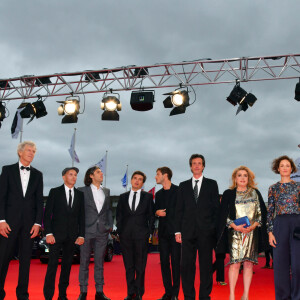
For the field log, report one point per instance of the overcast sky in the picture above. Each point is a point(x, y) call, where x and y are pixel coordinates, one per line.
point(44, 37)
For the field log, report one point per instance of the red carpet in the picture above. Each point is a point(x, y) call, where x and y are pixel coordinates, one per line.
point(262, 287)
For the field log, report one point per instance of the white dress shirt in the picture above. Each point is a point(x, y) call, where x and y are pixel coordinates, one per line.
point(67, 189)
point(137, 198)
point(99, 196)
point(199, 183)
point(24, 174)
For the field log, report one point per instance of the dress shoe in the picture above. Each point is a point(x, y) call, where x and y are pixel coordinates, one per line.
point(82, 296)
point(101, 296)
point(138, 297)
point(62, 298)
point(165, 297)
point(130, 297)
point(175, 298)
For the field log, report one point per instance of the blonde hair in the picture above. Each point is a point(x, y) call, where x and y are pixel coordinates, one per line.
point(22, 145)
point(251, 177)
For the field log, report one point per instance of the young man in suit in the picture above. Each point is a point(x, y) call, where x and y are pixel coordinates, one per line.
point(21, 213)
point(165, 204)
point(98, 224)
point(195, 227)
point(64, 222)
point(135, 220)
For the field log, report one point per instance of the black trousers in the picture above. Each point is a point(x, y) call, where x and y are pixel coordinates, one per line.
point(7, 247)
point(168, 248)
point(218, 266)
point(286, 258)
point(67, 247)
point(204, 244)
point(135, 252)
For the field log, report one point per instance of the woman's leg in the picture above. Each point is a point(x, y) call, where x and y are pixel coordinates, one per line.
point(247, 278)
point(233, 275)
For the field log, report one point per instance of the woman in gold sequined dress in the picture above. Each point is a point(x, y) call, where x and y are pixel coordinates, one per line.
point(242, 199)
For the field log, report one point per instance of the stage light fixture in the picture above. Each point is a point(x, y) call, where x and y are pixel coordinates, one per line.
point(239, 96)
point(70, 109)
point(4, 84)
point(92, 76)
point(111, 104)
point(2, 112)
point(36, 109)
point(297, 91)
point(142, 100)
point(42, 80)
point(179, 99)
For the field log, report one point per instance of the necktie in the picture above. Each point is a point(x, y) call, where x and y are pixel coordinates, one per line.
point(70, 199)
point(133, 202)
point(196, 190)
point(25, 168)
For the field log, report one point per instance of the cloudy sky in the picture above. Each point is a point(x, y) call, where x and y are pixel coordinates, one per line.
point(44, 37)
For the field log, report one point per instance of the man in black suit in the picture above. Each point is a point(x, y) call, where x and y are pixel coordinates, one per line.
point(165, 204)
point(98, 224)
point(135, 219)
point(195, 225)
point(21, 212)
point(64, 227)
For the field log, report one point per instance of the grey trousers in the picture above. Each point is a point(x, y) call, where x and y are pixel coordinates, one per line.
point(98, 244)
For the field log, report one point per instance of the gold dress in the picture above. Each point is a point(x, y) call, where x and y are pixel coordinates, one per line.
point(244, 247)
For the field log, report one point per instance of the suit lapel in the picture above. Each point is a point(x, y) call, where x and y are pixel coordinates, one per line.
point(32, 178)
point(17, 176)
point(203, 186)
point(105, 199)
point(91, 197)
point(140, 202)
point(63, 198)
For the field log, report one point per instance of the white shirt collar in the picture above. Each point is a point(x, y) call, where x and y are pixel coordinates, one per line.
point(138, 191)
point(200, 179)
point(95, 188)
point(20, 165)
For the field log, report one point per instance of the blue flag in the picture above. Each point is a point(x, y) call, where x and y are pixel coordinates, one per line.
point(124, 180)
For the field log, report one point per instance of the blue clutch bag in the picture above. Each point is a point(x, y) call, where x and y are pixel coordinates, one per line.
point(241, 221)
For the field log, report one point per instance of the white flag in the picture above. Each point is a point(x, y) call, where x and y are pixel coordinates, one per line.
point(72, 149)
point(102, 164)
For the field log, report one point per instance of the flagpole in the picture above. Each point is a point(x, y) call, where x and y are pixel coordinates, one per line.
point(73, 154)
point(126, 177)
point(105, 168)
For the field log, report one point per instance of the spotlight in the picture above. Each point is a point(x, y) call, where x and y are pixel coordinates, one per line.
point(142, 100)
point(42, 80)
point(70, 108)
point(2, 112)
point(92, 76)
point(36, 109)
point(241, 97)
point(4, 84)
point(297, 91)
point(111, 104)
point(179, 99)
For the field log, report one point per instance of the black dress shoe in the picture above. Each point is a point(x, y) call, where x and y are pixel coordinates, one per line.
point(101, 296)
point(165, 297)
point(174, 298)
point(62, 298)
point(130, 297)
point(82, 296)
point(138, 297)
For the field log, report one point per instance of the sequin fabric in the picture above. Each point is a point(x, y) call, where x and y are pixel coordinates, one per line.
point(283, 199)
point(244, 247)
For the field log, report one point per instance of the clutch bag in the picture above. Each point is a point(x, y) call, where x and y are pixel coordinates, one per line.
point(241, 221)
point(296, 233)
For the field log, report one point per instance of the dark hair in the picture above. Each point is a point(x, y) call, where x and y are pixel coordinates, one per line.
point(165, 170)
point(197, 156)
point(87, 178)
point(276, 162)
point(139, 173)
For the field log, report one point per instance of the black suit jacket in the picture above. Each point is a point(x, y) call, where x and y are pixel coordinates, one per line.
point(166, 226)
point(138, 224)
point(14, 207)
point(62, 221)
point(192, 218)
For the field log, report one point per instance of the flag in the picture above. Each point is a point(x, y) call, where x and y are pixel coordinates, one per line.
point(296, 176)
point(152, 191)
point(16, 124)
point(72, 149)
point(102, 164)
point(124, 180)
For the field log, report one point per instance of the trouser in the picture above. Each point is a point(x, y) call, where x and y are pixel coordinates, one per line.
point(218, 266)
point(286, 258)
point(98, 244)
point(168, 247)
point(68, 247)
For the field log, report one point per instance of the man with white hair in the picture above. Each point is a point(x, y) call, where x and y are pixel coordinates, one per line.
point(21, 212)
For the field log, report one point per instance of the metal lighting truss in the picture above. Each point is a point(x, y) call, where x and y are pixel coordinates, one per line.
point(160, 75)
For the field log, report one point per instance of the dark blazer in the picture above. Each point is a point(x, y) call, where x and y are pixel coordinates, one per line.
point(191, 218)
point(14, 207)
point(95, 221)
point(228, 210)
point(138, 224)
point(166, 226)
point(61, 221)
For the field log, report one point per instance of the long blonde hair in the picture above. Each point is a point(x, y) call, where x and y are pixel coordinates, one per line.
point(251, 177)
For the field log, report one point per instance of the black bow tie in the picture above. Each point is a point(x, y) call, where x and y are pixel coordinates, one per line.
point(25, 168)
